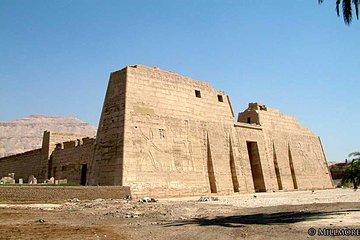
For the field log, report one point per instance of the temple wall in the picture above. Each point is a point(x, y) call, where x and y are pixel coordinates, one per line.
point(252, 134)
point(107, 164)
point(298, 151)
point(65, 157)
point(22, 164)
point(50, 139)
point(172, 134)
point(68, 159)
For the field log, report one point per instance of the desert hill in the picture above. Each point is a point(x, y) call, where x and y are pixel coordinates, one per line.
point(26, 134)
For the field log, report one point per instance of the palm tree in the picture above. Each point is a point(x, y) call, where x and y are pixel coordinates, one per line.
point(352, 170)
point(346, 9)
point(355, 155)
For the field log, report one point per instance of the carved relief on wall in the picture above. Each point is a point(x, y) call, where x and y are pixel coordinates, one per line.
point(310, 154)
point(162, 147)
point(144, 146)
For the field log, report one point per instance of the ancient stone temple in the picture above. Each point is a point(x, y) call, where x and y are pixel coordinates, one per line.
point(165, 134)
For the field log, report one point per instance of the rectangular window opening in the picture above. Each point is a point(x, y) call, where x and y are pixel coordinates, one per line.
point(197, 93)
point(220, 98)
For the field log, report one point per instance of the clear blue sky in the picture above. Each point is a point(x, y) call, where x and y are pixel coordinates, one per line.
point(296, 56)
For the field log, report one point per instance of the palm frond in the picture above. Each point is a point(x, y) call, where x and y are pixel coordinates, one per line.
point(356, 3)
point(354, 154)
point(338, 8)
point(352, 173)
point(347, 11)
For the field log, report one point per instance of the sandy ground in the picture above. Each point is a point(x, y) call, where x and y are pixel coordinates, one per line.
point(284, 215)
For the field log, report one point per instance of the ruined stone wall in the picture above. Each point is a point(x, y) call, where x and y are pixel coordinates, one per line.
point(22, 164)
point(50, 140)
point(68, 159)
point(293, 150)
point(38, 162)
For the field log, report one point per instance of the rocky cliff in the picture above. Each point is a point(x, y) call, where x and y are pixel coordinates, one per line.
point(26, 134)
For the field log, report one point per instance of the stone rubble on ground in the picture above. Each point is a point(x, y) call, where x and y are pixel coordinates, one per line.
point(73, 200)
point(50, 181)
point(147, 200)
point(32, 180)
point(208, 199)
point(10, 179)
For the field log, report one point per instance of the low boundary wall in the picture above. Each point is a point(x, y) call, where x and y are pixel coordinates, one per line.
point(60, 193)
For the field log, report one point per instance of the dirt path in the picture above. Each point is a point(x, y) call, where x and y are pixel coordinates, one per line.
point(231, 217)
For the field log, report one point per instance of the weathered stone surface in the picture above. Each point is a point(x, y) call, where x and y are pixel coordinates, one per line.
point(57, 193)
point(166, 134)
point(67, 161)
point(295, 150)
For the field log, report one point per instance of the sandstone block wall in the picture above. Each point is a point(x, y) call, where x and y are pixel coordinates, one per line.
point(295, 150)
point(243, 135)
point(107, 164)
point(50, 140)
point(174, 128)
point(22, 164)
point(42, 164)
point(23, 194)
point(69, 158)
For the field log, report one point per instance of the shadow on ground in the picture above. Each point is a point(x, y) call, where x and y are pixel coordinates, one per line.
point(261, 219)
